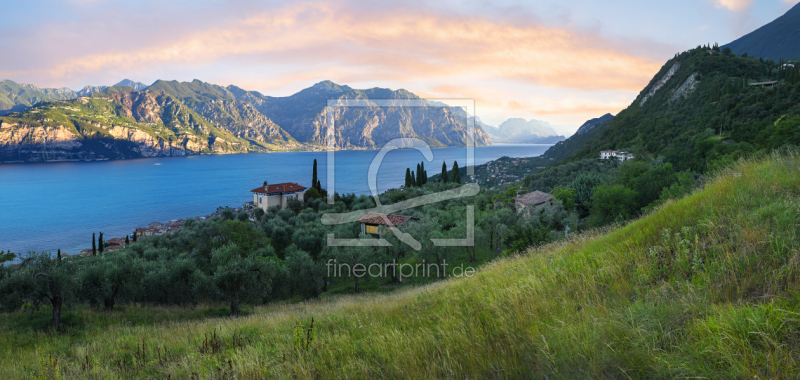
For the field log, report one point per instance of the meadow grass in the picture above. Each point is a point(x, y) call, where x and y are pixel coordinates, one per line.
point(703, 287)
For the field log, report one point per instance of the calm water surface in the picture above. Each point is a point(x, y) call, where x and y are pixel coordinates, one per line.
point(59, 205)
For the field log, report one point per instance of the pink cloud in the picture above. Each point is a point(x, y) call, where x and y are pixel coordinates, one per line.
point(362, 45)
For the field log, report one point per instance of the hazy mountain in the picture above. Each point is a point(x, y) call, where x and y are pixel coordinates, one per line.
point(17, 97)
point(778, 39)
point(138, 86)
point(89, 90)
point(516, 130)
point(303, 116)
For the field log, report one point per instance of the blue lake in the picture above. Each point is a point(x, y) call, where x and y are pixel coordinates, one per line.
point(59, 205)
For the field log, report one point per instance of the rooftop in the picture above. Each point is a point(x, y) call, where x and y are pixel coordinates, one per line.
point(535, 198)
point(278, 188)
point(381, 219)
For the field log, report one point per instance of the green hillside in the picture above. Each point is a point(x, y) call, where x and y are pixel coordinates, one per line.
point(780, 39)
point(218, 104)
point(704, 287)
point(706, 113)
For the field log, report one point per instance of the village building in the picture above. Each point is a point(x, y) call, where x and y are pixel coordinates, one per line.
point(370, 223)
point(141, 231)
point(278, 194)
point(609, 154)
point(527, 203)
point(764, 84)
point(116, 241)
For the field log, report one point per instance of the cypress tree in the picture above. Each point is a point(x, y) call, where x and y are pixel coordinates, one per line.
point(314, 175)
point(443, 178)
point(94, 245)
point(455, 176)
point(127, 241)
point(413, 180)
point(59, 256)
point(425, 176)
point(100, 243)
point(418, 180)
point(319, 186)
point(408, 177)
point(134, 236)
point(422, 170)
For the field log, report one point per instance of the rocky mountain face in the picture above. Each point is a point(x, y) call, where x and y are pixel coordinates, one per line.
point(303, 116)
point(122, 125)
point(219, 105)
point(89, 90)
point(516, 130)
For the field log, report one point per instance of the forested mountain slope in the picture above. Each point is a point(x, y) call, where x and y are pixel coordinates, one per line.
point(702, 109)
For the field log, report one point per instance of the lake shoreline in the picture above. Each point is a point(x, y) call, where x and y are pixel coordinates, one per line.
point(322, 149)
point(59, 205)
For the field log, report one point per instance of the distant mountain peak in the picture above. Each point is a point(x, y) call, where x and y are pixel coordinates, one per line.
point(138, 86)
point(517, 129)
point(328, 85)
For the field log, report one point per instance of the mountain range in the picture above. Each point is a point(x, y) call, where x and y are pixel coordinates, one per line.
point(168, 118)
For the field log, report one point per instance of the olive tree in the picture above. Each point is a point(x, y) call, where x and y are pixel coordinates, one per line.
point(241, 276)
point(109, 277)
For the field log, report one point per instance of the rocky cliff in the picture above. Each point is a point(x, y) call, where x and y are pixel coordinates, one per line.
point(303, 116)
point(122, 125)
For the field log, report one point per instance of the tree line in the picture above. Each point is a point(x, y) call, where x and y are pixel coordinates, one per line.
point(420, 177)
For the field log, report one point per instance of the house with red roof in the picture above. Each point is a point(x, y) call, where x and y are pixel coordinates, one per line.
point(277, 194)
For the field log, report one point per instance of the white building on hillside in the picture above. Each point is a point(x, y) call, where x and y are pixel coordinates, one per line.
point(622, 156)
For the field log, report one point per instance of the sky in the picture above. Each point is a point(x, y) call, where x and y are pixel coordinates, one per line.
point(560, 61)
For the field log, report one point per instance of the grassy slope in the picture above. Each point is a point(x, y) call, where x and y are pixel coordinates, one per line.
point(704, 286)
